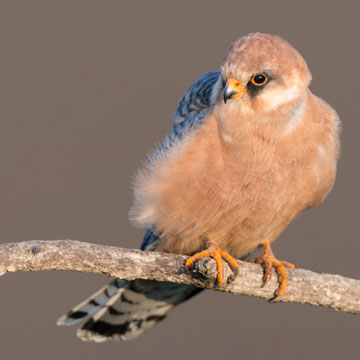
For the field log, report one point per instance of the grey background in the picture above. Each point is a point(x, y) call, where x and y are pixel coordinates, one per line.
point(86, 89)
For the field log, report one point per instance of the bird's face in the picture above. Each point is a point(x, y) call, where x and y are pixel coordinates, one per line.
point(262, 74)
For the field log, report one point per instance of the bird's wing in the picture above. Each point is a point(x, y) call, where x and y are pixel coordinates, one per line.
point(200, 96)
point(196, 104)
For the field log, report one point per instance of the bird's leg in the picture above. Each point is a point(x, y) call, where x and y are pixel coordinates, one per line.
point(268, 261)
point(218, 255)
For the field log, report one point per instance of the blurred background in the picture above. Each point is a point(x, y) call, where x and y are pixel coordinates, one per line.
point(87, 89)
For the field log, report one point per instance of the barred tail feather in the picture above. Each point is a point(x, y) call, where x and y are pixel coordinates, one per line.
point(124, 310)
point(93, 303)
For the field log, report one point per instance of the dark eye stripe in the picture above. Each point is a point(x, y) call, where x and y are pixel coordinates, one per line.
point(254, 87)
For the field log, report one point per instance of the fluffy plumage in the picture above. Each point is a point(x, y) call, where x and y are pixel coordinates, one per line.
point(234, 173)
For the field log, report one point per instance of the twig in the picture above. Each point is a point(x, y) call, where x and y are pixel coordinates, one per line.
point(333, 291)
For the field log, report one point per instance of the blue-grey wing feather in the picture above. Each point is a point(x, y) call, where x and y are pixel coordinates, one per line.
point(196, 104)
point(150, 241)
point(192, 109)
point(199, 97)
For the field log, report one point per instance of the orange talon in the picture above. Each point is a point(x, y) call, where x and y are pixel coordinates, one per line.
point(218, 255)
point(269, 261)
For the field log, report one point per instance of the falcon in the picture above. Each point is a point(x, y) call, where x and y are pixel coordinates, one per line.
point(250, 148)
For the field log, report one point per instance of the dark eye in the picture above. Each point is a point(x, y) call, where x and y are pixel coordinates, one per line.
point(259, 79)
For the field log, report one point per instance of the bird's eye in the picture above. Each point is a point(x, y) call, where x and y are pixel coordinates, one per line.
point(259, 79)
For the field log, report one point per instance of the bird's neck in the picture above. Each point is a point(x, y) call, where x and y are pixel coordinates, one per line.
point(237, 130)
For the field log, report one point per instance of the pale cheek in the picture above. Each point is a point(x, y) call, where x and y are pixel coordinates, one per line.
point(274, 98)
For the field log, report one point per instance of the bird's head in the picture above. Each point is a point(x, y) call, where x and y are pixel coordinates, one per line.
point(263, 77)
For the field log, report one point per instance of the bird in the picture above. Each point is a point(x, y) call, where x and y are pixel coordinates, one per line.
point(250, 148)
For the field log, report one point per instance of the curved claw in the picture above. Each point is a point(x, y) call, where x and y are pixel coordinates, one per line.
point(218, 255)
point(269, 261)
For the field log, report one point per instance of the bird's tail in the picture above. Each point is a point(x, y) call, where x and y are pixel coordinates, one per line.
point(123, 310)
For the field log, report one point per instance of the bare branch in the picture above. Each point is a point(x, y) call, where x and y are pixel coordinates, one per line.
point(333, 291)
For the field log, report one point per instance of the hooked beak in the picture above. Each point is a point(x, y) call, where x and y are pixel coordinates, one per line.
point(233, 90)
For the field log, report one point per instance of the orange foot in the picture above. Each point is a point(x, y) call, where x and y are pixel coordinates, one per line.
point(217, 254)
point(268, 261)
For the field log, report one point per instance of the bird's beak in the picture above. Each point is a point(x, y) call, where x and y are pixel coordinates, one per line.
point(233, 90)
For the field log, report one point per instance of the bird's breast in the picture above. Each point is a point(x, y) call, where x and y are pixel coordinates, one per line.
point(202, 190)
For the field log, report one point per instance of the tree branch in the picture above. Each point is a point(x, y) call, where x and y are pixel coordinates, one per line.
point(333, 291)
